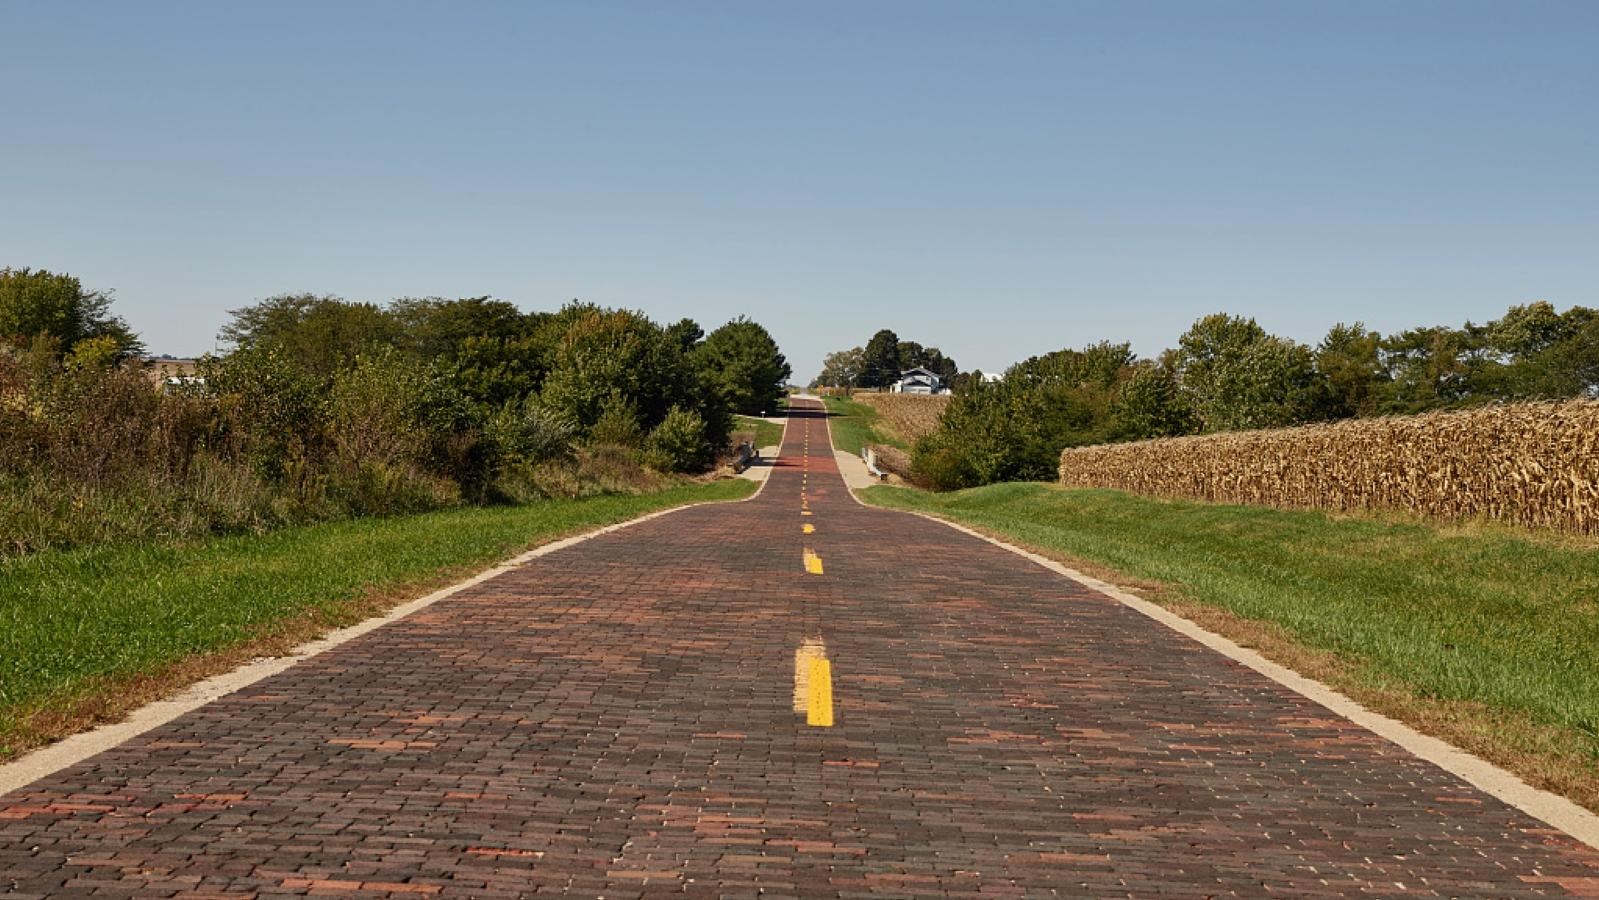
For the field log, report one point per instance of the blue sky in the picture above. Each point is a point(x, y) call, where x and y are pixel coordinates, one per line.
point(998, 179)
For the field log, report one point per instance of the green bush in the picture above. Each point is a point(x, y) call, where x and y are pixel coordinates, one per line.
point(608, 469)
point(678, 444)
point(328, 409)
point(617, 424)
point(1014, 429)
point(375, 411)
point(527, 431)
point(269, 412)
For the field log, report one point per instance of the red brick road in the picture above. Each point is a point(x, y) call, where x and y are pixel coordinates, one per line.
point(618, 718)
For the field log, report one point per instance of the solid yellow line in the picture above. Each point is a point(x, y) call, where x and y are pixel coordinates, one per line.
point(819, 709)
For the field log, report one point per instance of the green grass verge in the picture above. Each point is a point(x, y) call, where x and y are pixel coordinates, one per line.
point(855, 425)
point(767, 434)
point(76, 621)
point(1483, 618)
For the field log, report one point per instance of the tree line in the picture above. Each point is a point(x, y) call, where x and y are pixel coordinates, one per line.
point(1228, 373)
point(325, 407)
point(880, 362)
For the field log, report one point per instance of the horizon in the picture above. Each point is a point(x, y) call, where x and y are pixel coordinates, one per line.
point(996, 182)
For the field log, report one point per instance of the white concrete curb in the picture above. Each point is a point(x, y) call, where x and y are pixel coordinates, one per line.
point(1551, 808)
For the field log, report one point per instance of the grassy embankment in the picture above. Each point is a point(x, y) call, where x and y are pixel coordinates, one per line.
point(87, 634)
point(855, 425)
point(766, 434)
point(1486, 636)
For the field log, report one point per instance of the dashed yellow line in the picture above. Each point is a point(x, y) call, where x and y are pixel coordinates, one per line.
point(813, 563)
point(811, 649)
point(819, 705)
point(813, 683)
point(808, 528)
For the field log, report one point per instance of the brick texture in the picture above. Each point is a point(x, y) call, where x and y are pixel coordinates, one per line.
point(618, 719)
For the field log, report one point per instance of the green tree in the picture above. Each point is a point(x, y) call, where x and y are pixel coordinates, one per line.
point(529, 432)
point(321, 335)
point(1570, 367)
point(841, 369)
point(1525, 331)
point(492, 345)
point(1425, 368)
point(1011, 430)
point(741, 361)
point(1014, 429)
point(434, 327)
point(606, 352)
point(1148, 404)
point(1349, 361)
point(913, 355)
point(1235, 375)
point(880, 363)
point(376, 410)
point(600, 353)
point(686, 333)
point(35, 303)
point(493, 371)
point(392, 418)
point(1537, 352)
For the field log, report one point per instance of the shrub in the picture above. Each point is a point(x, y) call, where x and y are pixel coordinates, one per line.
point(527, 431)
point(678, 444)
point(943, 469)
point(330, 409)
point(613, 470)
point(617, 424)
point(376, 411)
point(407, 419)
point(269, 411)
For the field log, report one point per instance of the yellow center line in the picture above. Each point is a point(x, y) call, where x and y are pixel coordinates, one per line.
point(808, 528)
point(813, 683)
point(812, 648)
point(813, 563)
point(819, 694)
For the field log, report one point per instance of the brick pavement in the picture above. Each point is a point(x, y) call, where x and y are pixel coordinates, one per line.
point(619, 718)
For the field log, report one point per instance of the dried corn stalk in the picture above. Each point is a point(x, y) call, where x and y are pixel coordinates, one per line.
point(1533, 464)
point(911, 416)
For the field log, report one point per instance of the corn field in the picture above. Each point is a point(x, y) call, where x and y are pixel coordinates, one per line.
point(910, 416)
point(1532, 464)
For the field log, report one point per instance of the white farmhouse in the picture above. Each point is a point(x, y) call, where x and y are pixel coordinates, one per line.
point(916, 381)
